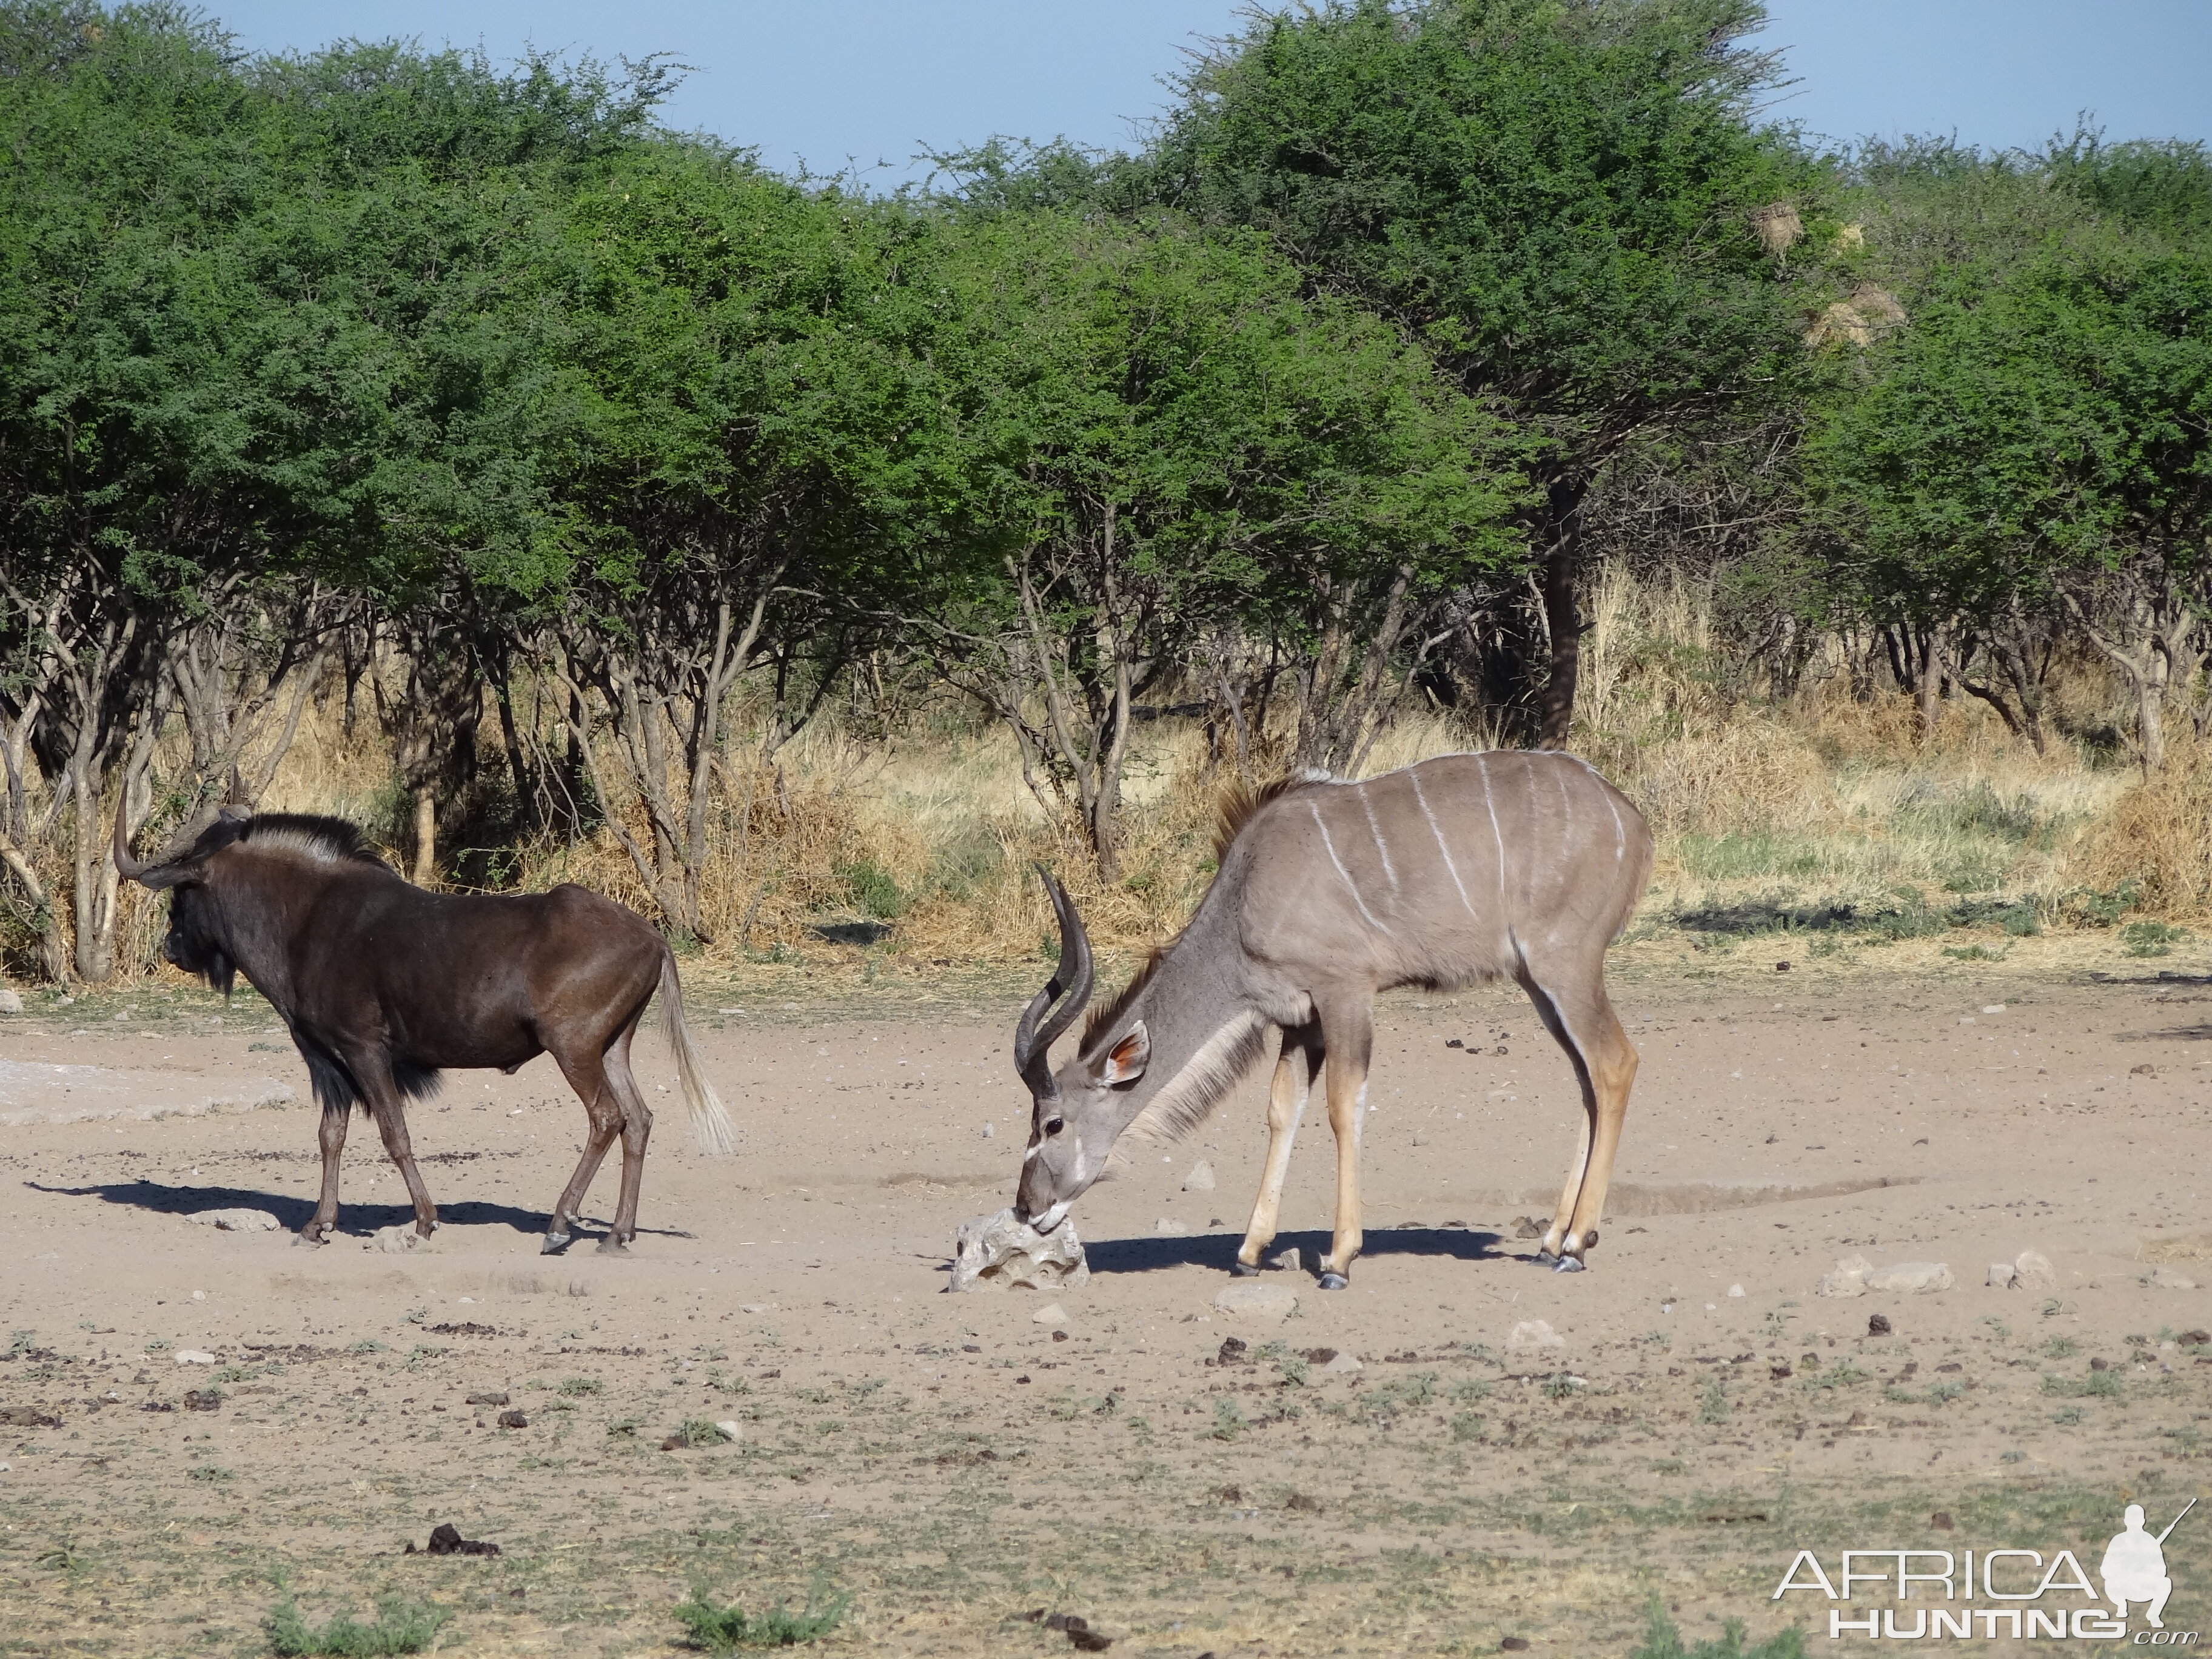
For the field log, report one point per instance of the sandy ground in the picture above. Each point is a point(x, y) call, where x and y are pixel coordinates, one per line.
point(952, 1464)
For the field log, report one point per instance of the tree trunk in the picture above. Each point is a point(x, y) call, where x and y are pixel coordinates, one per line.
point(1929, 673)
point(425, 872)
point(1563, 557)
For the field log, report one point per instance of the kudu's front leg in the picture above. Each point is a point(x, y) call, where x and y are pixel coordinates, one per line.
point(332, 1138)
point(1286, 1105)
point(1345, 1074)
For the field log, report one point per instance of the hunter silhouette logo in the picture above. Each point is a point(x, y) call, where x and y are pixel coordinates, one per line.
point(2134, 1567)
point(2019, 1593)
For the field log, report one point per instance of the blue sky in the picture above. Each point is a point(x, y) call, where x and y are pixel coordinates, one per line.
point(833, 81)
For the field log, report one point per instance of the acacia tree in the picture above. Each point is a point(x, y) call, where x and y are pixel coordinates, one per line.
point(1565, 198)
point(1169, 441)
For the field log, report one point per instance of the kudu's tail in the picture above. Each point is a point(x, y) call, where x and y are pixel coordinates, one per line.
point(709, 1122)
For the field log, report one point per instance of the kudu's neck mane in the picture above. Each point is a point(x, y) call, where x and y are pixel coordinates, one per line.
point(1204, 1031)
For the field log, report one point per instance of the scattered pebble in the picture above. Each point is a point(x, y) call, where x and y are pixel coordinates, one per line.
point(989, 1132)
point(733, 1431)
point(495, 1397)
point(11, 1002)
point(1251, 1300)
point(2032, 1271)
point(1342, 1364)
point(2003, 1275)
point(239, 1221)
point(752, 1307)
point(1051, 1314)
point(512, 1420)
point(1532, 1335)
point(1288, 1259)
point(1200, 1178)
point(1166, 1224)
point(1735, 1289)
point(1993, 1007)
point(194, 1357)
point(395, 1240)
point(199, 1296)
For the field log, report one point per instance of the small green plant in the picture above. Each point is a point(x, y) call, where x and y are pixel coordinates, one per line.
point(1559, 1386)
point(63, 1556)
point(873, 890)
point(2068, 1417)
point(1713, 1408)
point(576, 1386)
point(21, 1342)
point(2102, 909)
point(401, 1626)
point(2151, 938)
point(1294, 1370)
point(1661, 1640)
point(698, 1431)
point(725, 1630)
point(369, 1345)
point(2061, 1348)
point(1466, 1425)
point(417, 1315)
point(209, 1472)
point(1228, 1421)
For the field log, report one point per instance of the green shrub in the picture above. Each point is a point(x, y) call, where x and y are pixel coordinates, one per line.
point(1662, 1641)
point(725, 1630)
point(872, 890)
point(2151, 938)
point(401, 1626)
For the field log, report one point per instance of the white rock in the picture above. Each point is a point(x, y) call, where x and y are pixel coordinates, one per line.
point(396, 1240)
point(1532, 1336)
point(1847, 1278)
point(1288, 1259)
point(989, 1132)
point(1913, 1279)
point(1200, 1178)
point(1165, 1225)
point(730, 1428)
point(199, 1296)
point(2003, 1275)
point(11, 1002)
point(1735, 1289)
point(1343, 1366)
point(241, 1221)
point(2166, 1279)
point(1247, 1300)
point(997, 1252)
point(194, 1357)
point(2033, 1271)
point(1993, 1008)
point(1051, 1314)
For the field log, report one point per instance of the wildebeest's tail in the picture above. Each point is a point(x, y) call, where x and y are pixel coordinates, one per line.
point(709, 1122)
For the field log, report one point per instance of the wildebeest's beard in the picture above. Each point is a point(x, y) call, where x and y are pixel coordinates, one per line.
point(193, 944)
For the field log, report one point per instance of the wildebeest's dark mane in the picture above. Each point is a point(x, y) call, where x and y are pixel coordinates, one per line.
point(311, 832)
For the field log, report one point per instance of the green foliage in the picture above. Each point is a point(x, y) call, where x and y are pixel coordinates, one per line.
point(2151, 938)
point(1661, 1640)
point(700, 1432)
point(403, 1625)
point(728, 1629)
point(873, 890)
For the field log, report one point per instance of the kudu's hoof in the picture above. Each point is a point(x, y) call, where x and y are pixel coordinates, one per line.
point(1243, 1271)
point(305, 1237)
point(1334, 1282)
point(612, 1246)
point(1568, 1264)
point(1544, 1257)
point(554, 1244)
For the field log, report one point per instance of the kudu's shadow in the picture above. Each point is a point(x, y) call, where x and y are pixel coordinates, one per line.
point(1219, 1250)
point(293, 1212)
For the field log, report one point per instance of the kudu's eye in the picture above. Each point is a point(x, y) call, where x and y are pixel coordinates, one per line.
point(1052, 1126)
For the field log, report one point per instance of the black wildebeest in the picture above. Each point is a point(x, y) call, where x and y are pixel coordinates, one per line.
point(383, 985)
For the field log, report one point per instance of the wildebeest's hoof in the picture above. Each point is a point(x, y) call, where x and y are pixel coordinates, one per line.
point(1545, 1258)
point(1330, 1281)
point(612, 1246)
point(1244, 1272)
point(1568, 1264)
point(554, 1244)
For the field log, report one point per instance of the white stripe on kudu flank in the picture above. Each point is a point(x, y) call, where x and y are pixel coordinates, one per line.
point(1605, 794)
point(1482, 766)
point(1372, 919)
point(1435, 829)
point(1376, 830)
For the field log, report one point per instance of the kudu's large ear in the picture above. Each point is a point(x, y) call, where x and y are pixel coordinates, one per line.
point(1126, 1061)
point(1069, 986)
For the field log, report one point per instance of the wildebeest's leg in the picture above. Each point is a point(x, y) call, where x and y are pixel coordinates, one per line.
point(637, 1127)
point(373, 1070)
point(1286, 1104)
point(603, 1112)
point(331, 1137)
point(1575, 1009)
point(1351, 1037)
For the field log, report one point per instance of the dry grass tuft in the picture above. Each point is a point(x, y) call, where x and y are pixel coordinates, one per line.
point(2159, 834)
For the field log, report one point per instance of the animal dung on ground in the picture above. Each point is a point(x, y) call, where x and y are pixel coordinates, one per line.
point(1246, 1300)
point(239, 1221)
point(999, 1252)
point(1526, 1227)
point(202, 1400)
point(512, 1420)
point(495, 1397)
point(1878, 1325)
point(1533, 1335)
point(445, 1539)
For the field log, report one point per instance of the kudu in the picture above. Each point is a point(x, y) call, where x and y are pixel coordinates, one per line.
point(383, 984)
point(1463, 868)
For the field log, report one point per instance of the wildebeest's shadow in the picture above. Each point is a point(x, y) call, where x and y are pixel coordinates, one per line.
point(1219, 1250)
point(292, 1212)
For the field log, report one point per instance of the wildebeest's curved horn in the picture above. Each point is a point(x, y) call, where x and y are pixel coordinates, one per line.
point(1033, 1043)
point(162, 872)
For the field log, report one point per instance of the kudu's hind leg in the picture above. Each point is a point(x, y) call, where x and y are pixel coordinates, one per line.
point(603, 1112)
point(1580, 1017)
point(332, 1138)
point(1286, 1104)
